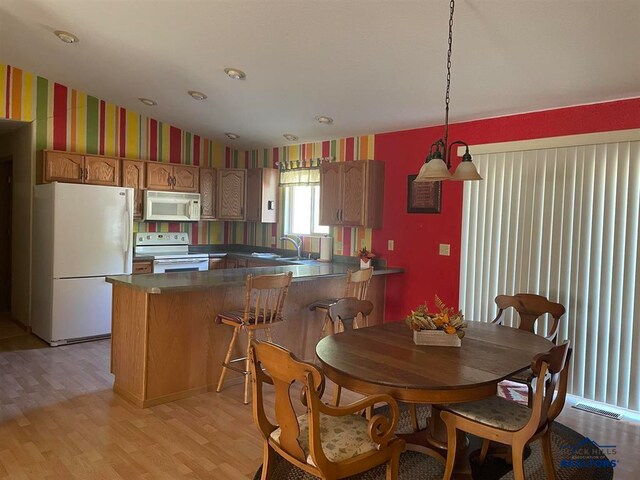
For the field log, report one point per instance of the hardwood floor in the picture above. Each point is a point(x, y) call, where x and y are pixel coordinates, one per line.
point(59, 419)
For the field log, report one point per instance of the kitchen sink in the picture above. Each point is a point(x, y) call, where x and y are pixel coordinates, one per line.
point(266, 255)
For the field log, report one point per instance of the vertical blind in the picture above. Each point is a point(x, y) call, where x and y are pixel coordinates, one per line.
point(563, 223)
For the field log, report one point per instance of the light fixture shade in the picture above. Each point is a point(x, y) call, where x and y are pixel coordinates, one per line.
point(466, 171)
point(433, 170)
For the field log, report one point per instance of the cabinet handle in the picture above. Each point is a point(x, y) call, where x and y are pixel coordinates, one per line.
point(338, 215)
point(169, 180)
point(173, 181)
point(86, 173)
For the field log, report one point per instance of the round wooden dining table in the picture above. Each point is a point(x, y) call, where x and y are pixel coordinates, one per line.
point(384, 359)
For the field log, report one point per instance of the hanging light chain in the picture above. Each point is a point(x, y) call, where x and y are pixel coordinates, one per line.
point(452, 5)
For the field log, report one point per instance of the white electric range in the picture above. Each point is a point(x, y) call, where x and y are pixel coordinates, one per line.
point(170, 252)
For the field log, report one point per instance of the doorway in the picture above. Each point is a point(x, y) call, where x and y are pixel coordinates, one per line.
point(6, 167)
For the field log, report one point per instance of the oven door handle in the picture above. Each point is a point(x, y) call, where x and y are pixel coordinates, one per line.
point(180, 262)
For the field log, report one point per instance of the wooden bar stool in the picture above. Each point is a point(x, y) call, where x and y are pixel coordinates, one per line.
point(357, 286)
point(263, 308)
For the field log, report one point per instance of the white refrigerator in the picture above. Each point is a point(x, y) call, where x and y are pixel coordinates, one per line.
point(81, 234)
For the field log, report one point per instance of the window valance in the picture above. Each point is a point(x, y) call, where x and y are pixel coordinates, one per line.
point(301, 172)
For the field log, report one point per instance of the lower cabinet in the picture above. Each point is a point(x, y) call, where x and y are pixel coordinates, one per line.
point(217, 263)
point(144, 266)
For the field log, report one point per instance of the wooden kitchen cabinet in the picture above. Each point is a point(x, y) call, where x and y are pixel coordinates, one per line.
point(208, 182)
point(352, 193)
point(133, 175)
point(75, 168)
point(143, 266)
point(262, 194)
point(102, 170)
point(185, 178)
point(217, 263)
point(231, 194)
point(166, 176)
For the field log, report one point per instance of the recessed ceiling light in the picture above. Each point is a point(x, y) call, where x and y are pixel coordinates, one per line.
point(66, 37)
point(291, 137)
point(232, 136)
point(148, 102)
point(235, 73)
point(197, 95)
point(323, 119)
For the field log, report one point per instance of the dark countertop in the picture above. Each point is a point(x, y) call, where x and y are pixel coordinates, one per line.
point(191, 281)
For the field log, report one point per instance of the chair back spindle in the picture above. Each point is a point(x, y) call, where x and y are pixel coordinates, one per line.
point(358, 283)
point(265, 297)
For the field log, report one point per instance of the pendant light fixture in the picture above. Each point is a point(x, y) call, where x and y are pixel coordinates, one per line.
point(438, 162)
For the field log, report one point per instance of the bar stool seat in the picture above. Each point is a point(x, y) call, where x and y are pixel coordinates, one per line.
point(265, 296)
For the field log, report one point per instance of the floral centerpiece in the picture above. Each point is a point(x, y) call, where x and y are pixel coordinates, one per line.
point(365, 257)
point(446, 320)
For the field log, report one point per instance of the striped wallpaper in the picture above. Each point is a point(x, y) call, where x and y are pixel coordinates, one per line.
point(347, 240)
point(70, 120)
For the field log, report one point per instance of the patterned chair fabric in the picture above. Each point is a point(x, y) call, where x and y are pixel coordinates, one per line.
point(342, 437)
point(493, 411)
point(237, 316)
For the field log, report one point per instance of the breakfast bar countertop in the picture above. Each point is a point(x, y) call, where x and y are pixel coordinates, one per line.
point(192, 281)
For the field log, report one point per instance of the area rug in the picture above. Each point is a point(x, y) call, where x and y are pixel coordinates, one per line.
point(575, 458)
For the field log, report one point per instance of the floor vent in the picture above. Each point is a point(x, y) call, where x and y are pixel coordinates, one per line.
point(598, 411)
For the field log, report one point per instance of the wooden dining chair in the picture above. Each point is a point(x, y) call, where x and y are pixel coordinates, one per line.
point(264, 301)
point(351, 310)
point(356, 286)
point(500, 420)
point(530, 308)
point(325, 441)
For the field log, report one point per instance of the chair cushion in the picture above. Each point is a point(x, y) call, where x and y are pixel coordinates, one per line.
point(325, 303)
point(342, 437)
point(237, 316)
point(523, 377)
point(493, 411)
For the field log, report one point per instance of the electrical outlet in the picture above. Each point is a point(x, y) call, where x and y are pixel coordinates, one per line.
point(274, 241)
point(445, 249)
point(363, 243)
point(338, 246)
point(390, 245)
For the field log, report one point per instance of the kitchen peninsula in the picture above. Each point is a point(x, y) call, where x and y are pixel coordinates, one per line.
point(165, 344)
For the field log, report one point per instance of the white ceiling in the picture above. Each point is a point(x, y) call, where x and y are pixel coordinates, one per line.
point(372, 65)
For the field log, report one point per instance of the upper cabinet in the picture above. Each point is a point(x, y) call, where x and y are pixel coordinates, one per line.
point(208, 182)
point(231, 193)
point(166, 176)
point(262, 194)
point(76, 168)
point(133, 175)
point(351, 193)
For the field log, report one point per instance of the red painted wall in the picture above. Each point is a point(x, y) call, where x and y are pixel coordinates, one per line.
point(417, 236)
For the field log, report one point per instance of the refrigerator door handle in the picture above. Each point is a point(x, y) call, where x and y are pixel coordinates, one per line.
point(126, 231)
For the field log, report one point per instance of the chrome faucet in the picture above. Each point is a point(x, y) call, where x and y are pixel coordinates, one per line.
point(297, 242)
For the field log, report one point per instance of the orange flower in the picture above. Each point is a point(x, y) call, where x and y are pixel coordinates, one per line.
point(450, 330)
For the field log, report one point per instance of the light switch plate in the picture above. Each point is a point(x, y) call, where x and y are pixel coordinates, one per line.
point(390, 245)
point(445, 249)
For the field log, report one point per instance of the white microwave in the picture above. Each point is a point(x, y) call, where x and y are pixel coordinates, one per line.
point(171, 206)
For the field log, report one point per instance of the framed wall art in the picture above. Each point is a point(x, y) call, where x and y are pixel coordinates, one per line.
point(423, 197)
